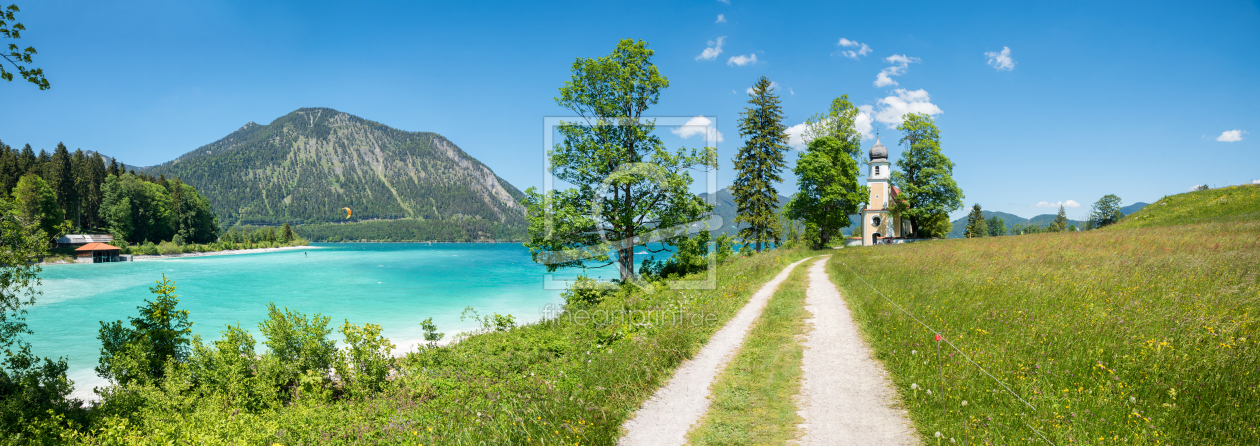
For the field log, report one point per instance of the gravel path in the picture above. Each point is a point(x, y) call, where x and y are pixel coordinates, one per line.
point(666, 417)
point(846, 397)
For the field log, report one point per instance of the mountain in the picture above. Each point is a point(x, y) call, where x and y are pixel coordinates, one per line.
point(306, 166)
point(725, 208)
point(1133, 208)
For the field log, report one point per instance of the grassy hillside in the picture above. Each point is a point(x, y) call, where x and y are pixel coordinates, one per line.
point(1227, 204)
point(1121, 336)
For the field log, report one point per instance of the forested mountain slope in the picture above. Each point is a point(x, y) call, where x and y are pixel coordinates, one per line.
point(306, 166)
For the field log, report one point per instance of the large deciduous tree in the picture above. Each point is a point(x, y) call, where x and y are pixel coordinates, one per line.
point(758, 164)
point(19, 59)
point(841, 121)
point(37, 203)
point(625, 183)
point(925, 173)
point(829, 189)
point(1106, 211)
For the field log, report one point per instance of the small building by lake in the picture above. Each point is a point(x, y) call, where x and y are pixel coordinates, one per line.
point(76, 240)
point(97, 253)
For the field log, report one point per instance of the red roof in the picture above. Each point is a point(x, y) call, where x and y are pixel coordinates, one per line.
point(96, 247)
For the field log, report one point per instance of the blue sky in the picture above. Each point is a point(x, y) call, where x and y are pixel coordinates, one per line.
point(1097, 98)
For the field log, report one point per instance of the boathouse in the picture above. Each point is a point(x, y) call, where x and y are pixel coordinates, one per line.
point(83, 239)
point(97, 253)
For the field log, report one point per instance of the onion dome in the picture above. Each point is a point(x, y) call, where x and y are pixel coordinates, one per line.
point(879, 152)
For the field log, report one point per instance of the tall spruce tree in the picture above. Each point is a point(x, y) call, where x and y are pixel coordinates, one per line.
point(976, 226)
point(758, 164)
point(1060, 223)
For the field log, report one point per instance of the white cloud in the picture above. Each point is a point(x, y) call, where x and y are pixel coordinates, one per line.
point(862, 124)
point(715, 48)
point(698, 126)
point(721, 18)
point(1231, 136)
point(899, 65)
point(1194, 188)
point(773, 86)
point(742, 60)
point(1255, 181)
point(860, 49)
point(1066, 204)
point(725, 2)
point(890, 110)
point(790, 90)
point(1001, 61)
point(796, 136)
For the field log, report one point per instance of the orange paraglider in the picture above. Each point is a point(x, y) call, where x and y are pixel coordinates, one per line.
point(347, 212)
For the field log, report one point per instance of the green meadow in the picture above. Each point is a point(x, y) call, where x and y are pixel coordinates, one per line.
point(1133, 334)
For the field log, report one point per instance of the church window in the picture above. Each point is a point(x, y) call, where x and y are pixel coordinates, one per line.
point(876, 220)
point(876, 170)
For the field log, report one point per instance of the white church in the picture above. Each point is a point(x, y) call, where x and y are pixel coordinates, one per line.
point(878, 223)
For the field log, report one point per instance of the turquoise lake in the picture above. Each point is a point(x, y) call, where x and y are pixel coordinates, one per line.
point(396, 285)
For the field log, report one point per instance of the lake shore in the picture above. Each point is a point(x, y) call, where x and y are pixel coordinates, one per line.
point(137, 258)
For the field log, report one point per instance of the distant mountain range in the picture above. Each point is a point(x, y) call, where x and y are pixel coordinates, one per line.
point(960, 225)
point(308, 165)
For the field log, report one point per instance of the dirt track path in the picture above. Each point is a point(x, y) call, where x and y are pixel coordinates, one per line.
point(846, 397)
point(667, 416)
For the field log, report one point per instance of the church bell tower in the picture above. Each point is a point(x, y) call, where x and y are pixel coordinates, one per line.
point(875, 217)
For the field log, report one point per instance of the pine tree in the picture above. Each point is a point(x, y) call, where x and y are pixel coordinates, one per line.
point(758, 164)
point(976, 226)
point(1060, 221)
point(286, 233)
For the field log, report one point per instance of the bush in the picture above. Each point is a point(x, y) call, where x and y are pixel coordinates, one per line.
point(149, 249)
point(365, 363)
point(586, 291)
point(168, 248)
point(300, 341)
point(812, 238)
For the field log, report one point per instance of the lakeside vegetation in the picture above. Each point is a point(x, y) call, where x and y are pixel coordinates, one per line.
point(568, 379)
point(1130, 333)
point(457, 229)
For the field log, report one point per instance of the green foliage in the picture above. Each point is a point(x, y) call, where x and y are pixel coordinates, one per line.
point(936, 225)
point(431, 334)
point(20, 59)
point(1060, 222)
point(725, 247)
point(925, 173)
point(38, 203)
point(996, 226)
point(691, 255)
point(455, 229)
point(30, 386)
point(757, 166)
point(286, 234)
point(585, 292)
point(838, 122)
point(160, 335)
point(1106, 211)
point(626, 184)
point(813, 237)
point(829, 190)
point(976, 225)
point(366, 361)
point(299, 341)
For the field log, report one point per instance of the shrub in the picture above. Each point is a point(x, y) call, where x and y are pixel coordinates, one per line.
point(365, 363)
point(300, 341)
point(168, 248)
point(149, 249)
point(812, 238)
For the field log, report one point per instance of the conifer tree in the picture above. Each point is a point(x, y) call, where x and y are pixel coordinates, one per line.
point(758, 164)
point(1060, 221)
point(976, 226)
point(286, 233)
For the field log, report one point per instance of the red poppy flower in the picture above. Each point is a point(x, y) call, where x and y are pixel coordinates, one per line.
point(938, 337)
